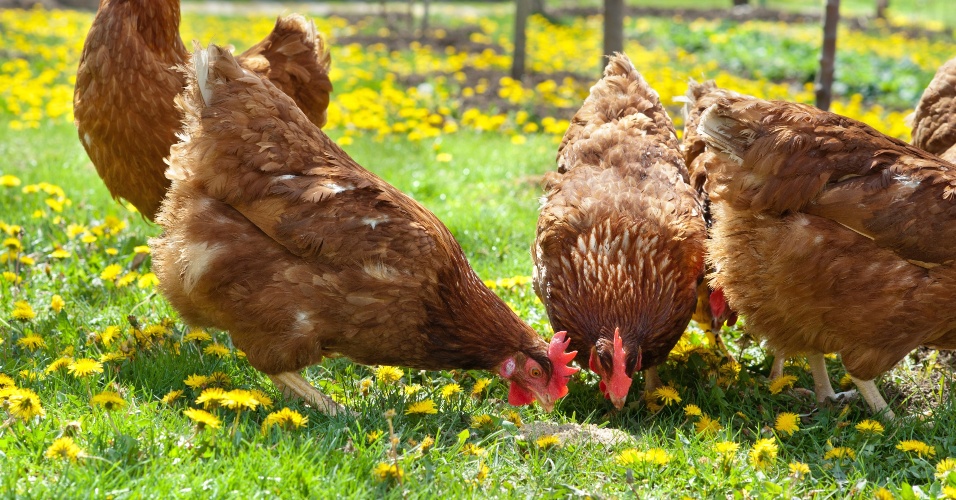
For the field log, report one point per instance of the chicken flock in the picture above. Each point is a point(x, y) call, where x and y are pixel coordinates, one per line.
point(824, 234)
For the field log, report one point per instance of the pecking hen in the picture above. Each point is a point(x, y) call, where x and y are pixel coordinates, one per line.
point(127, 80)
point(620, 239)
point(273, 233)
point(831, 237)
point(712, 309)
point(934, 121)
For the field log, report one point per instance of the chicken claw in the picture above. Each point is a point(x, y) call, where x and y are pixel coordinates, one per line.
point(295, 385)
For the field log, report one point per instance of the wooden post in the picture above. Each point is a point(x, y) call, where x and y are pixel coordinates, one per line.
point(613, 29)
point(425, 5)
point(522, 11)
point(824, 84)
point(881, 6)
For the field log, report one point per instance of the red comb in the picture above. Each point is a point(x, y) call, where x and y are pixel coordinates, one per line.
point(618, 356)
point(561, 369)
point(620, 383)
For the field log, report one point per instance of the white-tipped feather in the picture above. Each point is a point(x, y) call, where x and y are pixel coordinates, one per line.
point(202, 74)
point(710, 128)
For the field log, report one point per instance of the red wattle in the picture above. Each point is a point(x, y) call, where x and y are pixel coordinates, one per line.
point(518, 396)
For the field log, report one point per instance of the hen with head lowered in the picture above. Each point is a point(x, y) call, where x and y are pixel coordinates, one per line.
point(275, 234)
point(620, 240)
point(934, 121)
point(127, 80)
point(831, 237)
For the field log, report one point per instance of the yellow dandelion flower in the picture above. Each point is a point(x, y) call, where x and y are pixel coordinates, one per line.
point(450, 390)
point(483, 421)
point(57, 303)
point(913, 446)
point(64, 448)
point(870, 427)
point(285, 418)
point(799, 469)
point(212, 397)
point(22, 311)
point(141, 249)
point(203, 418)
point(217, 349)
point(763, 454)
point(147, 280)
point(60, 253)
point(12, 244)
point(74, 230)
point(108, 400)
point(11, 277)
point(840, 453)
point(548, 441)
point(222, 380)
point(473, 449)
point(692, 411)
point(482, 473)
point(239, 399)
point(172, 396)
point(197, 335)
point(443, 157)
point(111, 356)
point(480, 386)
point(60, 363)
point(111, 272)
point(372, 436)
point(385, 471)
point(513, 417)
point(883, 494)
point(426, 443)
point(388, 374)
point(111, 251)
point(787, 423)
point(9, 180)
point(366, 385)
point(422, 407)
point(127, 279)
point(196, 381)
point(264, 400)
point(726, 448)
point(32, 342)
point(6, 380)
point(27, 260)
point(707, 426)
point(88, 238)
point(24, 404)
point(666, 395)
point(780, 383)
point(632, 456)
point(949, 492)
point(412, 389)
point(846, 382)
point(109, 334)
point(85, 366)
point(945, 467)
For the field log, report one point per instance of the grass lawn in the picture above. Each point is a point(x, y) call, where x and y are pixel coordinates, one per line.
point(97, 356)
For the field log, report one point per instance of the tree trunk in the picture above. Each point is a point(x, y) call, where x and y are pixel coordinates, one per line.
point(425, 5)
point(522, 11)
point(881, 6)
point(741, 2)
point(613, 28)
point(824, 85)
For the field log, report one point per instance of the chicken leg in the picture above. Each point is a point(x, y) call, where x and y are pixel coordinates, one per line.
point(652, 381)
point(823, 388)
point(873, 397)
point(293, 384)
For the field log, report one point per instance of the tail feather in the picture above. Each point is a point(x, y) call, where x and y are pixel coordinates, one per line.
point(296, 60)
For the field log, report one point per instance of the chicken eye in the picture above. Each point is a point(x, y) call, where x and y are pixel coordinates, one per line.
point(535, 371)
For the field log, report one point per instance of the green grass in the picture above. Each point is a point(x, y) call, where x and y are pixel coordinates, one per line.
point(149, 447)
point(487, 194)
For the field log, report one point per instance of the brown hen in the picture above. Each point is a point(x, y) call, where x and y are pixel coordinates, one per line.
point(273, 233)
point(712, 309)
point(127, 80)
point(934, 121)
point(831, 237)
point(620, 239)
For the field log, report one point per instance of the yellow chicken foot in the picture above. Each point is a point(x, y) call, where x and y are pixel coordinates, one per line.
point(294, 385)
point(652, 382)
point(873, 397)
point(821, 380)
point(776, 370)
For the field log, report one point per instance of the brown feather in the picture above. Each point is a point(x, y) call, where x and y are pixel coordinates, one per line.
point(127, 80)
point(829, 236)
point(620, 234)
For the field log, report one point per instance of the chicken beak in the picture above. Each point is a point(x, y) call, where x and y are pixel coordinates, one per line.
point(618, 402)
point(547, 403)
